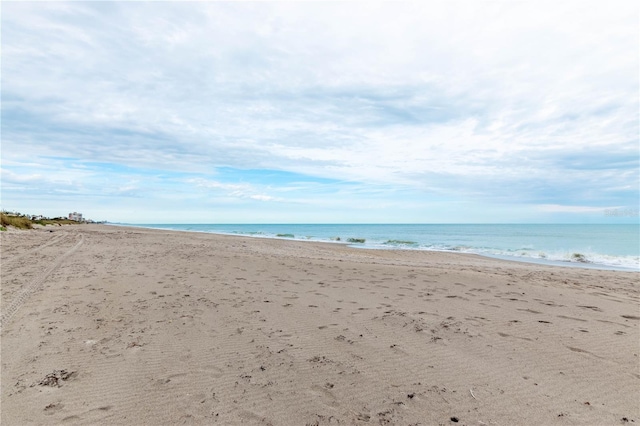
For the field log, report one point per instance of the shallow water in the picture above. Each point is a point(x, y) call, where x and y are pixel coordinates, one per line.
point(607, 246)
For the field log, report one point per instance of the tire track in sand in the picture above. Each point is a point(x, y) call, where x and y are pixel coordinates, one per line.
point(51, 242)
point(32, 287)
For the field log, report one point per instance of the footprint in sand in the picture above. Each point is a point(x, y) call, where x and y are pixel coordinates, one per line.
point(53, 408)
point(572, 349)
point(328, 398)
point(212, 371)
point(593, 308)
point(572, 318)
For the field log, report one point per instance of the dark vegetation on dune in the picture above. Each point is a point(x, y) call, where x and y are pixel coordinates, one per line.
point(22, 221)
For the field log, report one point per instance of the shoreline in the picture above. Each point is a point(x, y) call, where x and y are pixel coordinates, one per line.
point(120, 324)
point(508, 258)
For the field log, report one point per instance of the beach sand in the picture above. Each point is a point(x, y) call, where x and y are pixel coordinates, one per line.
point(117, 325)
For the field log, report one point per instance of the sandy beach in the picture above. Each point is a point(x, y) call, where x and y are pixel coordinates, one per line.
point(116, 325)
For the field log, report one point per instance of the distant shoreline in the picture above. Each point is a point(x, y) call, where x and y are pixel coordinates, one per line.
point(344, 241)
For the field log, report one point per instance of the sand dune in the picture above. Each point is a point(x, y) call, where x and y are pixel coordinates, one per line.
point(114, 325)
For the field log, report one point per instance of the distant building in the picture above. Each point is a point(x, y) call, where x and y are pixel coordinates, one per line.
point(75, 216)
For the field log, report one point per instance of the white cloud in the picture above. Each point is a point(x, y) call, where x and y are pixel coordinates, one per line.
point(242, 190)
point(556, 208)
point(261, 197)
point(10, 177)
point(466, 98)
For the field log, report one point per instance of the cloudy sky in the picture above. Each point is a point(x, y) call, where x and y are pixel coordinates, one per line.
point(308, 112)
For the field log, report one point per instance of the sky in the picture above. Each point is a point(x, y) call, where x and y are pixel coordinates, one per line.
point(322, 112)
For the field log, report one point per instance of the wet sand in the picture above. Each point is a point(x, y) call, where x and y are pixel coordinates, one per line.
point(114, 325)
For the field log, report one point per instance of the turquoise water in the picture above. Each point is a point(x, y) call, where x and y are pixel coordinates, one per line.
point(608, 246)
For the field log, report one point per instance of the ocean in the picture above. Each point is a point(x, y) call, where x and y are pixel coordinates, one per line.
point(590, 246)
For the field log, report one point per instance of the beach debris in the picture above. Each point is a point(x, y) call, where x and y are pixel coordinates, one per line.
point(474, 397)
point(55, 378)
point(454, 419)
point(386, 417)
point(53, 407)
point(634, 317)
point(579, 257)
point(341, 338)
point(356, 240)
point(320, 360)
